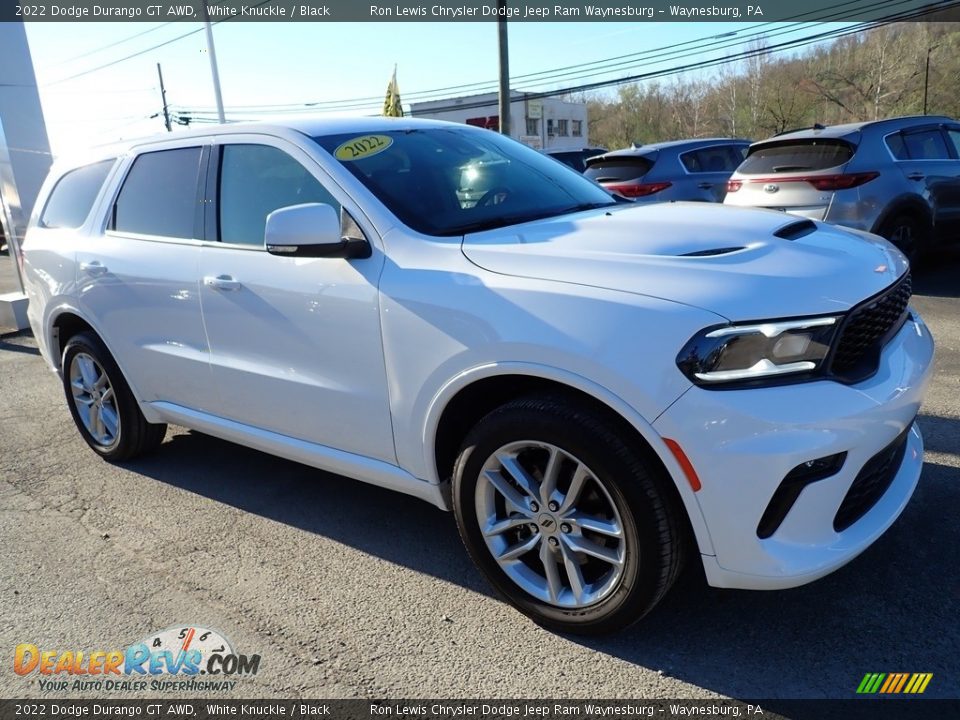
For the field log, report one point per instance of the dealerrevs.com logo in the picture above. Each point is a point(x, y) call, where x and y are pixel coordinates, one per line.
point(188, 658)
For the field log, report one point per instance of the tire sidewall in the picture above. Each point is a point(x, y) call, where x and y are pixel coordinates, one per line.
point(92, 346)
point(615, 466)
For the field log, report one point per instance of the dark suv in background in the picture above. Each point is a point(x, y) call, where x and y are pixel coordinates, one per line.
point(675, 170)
point(899, 178)
point(577, 159)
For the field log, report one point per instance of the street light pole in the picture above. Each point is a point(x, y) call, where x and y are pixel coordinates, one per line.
point(212, 52)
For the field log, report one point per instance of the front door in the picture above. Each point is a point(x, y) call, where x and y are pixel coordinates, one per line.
point(295, 343)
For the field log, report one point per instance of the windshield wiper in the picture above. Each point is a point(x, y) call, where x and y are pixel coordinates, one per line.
point(498, 222)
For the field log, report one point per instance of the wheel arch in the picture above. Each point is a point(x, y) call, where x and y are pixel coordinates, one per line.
point(907, 203)
point(65, 322)
point(470, 396)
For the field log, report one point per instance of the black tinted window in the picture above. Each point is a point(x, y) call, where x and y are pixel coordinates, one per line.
point(618, 169)
point(721, 158)
point(159, 196)
point(797, 156)
point(897, 147)
point(73, 196)
point(926, 145)
point(255, 180)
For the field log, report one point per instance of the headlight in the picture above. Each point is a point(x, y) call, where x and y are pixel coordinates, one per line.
point(758, 351)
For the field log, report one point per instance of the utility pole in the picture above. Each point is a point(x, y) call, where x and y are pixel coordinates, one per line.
point(926, 77)
point(163, 97)
point(212, 52)
point(504, 68)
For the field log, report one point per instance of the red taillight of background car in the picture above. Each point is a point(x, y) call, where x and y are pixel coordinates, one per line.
point(734, 185)
point(632, 190)
point(842, 181)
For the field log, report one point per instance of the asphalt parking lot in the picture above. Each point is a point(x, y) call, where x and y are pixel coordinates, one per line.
point(347, 590)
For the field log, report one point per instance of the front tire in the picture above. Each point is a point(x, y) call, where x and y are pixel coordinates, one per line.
point(575, 526)
point(105, 411)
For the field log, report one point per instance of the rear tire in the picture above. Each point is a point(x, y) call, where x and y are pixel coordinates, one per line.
point(103, 407)
point(908, 233)
point(586, 556)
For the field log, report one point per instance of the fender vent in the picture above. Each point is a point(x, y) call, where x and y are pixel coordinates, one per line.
point(796, 230)
point(711, 252)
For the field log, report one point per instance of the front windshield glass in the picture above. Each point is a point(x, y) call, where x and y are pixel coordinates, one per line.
point(451, 181)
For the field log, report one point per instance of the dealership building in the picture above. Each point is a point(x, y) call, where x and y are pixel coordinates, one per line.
point(543, 123)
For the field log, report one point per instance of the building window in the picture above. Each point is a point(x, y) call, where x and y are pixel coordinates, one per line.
point(562, 128)
point(550, 130)
point(577, 128)
point(533, 126)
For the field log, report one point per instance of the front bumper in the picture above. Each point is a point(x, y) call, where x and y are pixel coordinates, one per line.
point(742, 443)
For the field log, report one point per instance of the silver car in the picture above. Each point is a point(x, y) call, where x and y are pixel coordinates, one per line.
point(899, 178)
point(695, 170)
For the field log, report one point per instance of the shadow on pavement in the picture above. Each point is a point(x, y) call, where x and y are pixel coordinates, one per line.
point(938, 274)
point(723, 640)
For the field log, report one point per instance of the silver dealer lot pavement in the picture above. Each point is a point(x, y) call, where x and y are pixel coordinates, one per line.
point(347, 590)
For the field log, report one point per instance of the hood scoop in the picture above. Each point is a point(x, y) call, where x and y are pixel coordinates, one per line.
point(796, 230)
point(712, 252)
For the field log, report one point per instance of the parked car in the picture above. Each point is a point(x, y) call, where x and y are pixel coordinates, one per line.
point(899, 178)
point(577, 159)
point(599, 391)
point(677, 170)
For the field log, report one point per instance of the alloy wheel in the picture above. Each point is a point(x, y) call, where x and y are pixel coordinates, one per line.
point(550, 524)
point(95, 400)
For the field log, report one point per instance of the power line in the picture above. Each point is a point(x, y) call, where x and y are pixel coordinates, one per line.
point(713, 42)
point(197, 115)
point(111, 45)
point(144, 51)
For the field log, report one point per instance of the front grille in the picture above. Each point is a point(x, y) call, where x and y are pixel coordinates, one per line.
point(871, 482)
point(867, 328)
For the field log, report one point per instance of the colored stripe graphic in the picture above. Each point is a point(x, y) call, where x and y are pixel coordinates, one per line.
point(894, 683)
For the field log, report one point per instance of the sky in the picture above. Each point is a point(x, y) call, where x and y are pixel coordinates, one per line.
point(276, 63)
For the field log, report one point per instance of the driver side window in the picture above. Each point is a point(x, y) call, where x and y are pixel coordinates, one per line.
point(255, 180)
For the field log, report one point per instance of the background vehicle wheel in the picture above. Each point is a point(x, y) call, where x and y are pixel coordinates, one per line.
point(104, 409)
point(909, 234)
point(573, 525)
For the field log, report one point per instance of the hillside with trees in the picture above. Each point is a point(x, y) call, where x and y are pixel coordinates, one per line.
point(875, 74)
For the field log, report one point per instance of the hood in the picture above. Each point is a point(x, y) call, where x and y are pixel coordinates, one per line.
point(742, 264)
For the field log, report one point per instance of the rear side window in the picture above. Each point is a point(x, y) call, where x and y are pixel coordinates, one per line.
point(720, 158)
point(796, 156)
point(255, 180)
point(159, 194)
point(926, 145)
point(619, 169)
point(898, 148)
point(73, 196)
point(954, 136)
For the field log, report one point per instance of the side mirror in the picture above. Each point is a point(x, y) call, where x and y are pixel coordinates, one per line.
point(310, 230)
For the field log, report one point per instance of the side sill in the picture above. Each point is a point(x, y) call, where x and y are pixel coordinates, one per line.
point(375, 472)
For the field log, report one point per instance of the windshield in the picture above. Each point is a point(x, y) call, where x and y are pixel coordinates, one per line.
point(451, 181)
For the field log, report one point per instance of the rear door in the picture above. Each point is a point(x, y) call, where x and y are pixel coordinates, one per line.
point(785, 175)
point(927, 156)
point(137, 276)
point(295, 342)
point(708, 169)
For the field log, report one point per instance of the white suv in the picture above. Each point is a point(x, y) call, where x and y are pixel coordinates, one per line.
point(597, 390)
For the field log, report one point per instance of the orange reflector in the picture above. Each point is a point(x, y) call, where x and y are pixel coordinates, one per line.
point(685, 463)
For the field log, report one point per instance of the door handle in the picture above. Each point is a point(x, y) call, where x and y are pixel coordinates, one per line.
point(916, 176)
point(94, 268)
point(222, 282)
point(705, 185)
